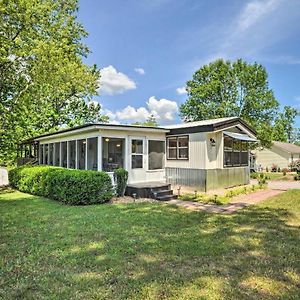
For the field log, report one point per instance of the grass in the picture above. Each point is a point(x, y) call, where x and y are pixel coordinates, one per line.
point(276, 175)
point(148, 251)
point(221, 199)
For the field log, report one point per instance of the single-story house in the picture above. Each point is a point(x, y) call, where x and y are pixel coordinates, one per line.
point(206, 154)
point(280, 154)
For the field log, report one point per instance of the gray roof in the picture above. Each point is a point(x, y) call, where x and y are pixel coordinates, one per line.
point(291, 148)
point(200, 123)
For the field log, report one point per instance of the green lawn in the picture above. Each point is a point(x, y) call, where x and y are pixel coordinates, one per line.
point(148, 251)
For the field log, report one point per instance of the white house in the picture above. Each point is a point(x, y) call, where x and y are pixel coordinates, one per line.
point(206, 154)
point(280, 154)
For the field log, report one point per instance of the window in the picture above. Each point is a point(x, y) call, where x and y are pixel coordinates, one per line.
point(235, 152)
point(136, 154)
point(156, 153)
point(178, 147)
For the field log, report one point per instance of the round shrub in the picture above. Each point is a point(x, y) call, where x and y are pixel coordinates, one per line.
point(75, 187)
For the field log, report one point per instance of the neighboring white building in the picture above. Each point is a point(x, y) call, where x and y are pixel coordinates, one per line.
point(206, 154)
point(280, 154)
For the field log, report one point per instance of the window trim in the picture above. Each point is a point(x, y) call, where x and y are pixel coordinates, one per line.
point(137, 154)
point(177, 137)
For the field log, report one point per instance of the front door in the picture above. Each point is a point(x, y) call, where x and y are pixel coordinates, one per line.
point(137, 159)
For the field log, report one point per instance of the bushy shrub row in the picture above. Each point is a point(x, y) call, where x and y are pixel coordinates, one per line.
point(75, 187)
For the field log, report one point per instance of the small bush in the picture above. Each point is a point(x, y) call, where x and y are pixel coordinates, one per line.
point(274, 168)
point(253, 175)
point(284, 171)
point(75, 187)
point(120, 177)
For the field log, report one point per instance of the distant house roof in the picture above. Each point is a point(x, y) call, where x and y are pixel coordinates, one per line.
point(209, 125)
point(291, 148)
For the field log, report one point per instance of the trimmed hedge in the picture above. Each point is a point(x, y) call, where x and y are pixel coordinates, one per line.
point(75, 187)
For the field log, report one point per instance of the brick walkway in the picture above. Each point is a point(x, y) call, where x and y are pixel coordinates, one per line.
point(235, 205)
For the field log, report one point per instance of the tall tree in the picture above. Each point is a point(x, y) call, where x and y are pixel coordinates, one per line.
point(284, 124)
point(43, 81)
point(228, 89)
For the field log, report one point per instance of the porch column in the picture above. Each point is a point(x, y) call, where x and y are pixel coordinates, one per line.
point(86, 154)
point(60, 154)
point(68, 156)
point(127, 153)
point(44, 151)
point(99, 154)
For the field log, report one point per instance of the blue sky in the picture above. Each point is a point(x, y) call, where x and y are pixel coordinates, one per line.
point(148, 49)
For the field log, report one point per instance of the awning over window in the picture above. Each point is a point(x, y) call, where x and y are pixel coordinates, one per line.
point(239, 136)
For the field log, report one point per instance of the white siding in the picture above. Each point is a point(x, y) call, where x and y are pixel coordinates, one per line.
point(197, 153)
point(268, 157)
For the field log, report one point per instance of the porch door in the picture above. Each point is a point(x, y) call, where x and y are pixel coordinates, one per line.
point(137, 160)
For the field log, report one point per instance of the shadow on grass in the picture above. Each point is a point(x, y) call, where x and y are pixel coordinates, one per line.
point(145, 251)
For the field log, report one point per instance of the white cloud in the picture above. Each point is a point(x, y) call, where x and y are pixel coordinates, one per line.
point(252, 34)
point(130, 113)
point(181, 90)
point(113, 82)
point(254, 11)
point(163, 110)
point(141, 71)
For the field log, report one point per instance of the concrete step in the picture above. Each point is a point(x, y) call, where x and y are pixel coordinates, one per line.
point(165, 197)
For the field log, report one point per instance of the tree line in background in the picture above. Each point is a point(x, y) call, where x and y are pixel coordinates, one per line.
point(44, 83)
point(229, 89)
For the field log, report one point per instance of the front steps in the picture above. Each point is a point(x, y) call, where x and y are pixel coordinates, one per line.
point(155, 190)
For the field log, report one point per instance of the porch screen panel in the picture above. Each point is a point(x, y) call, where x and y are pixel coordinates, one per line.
point(136, 154)
point(56, 154)
point(156, 150)
point(112, 153)
point(50, 154)
point(244, 153)
point(64, 162)
point(81, 146)
point(46, 154)
point(41, 153)
point(92, 154)
point(72, 154)
point(236, 152)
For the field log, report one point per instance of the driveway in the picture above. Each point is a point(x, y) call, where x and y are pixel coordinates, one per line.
point(283, 185)
point(3, 177)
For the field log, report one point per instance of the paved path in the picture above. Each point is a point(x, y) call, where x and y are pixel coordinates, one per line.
point(3, 177)
point(236, 204)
